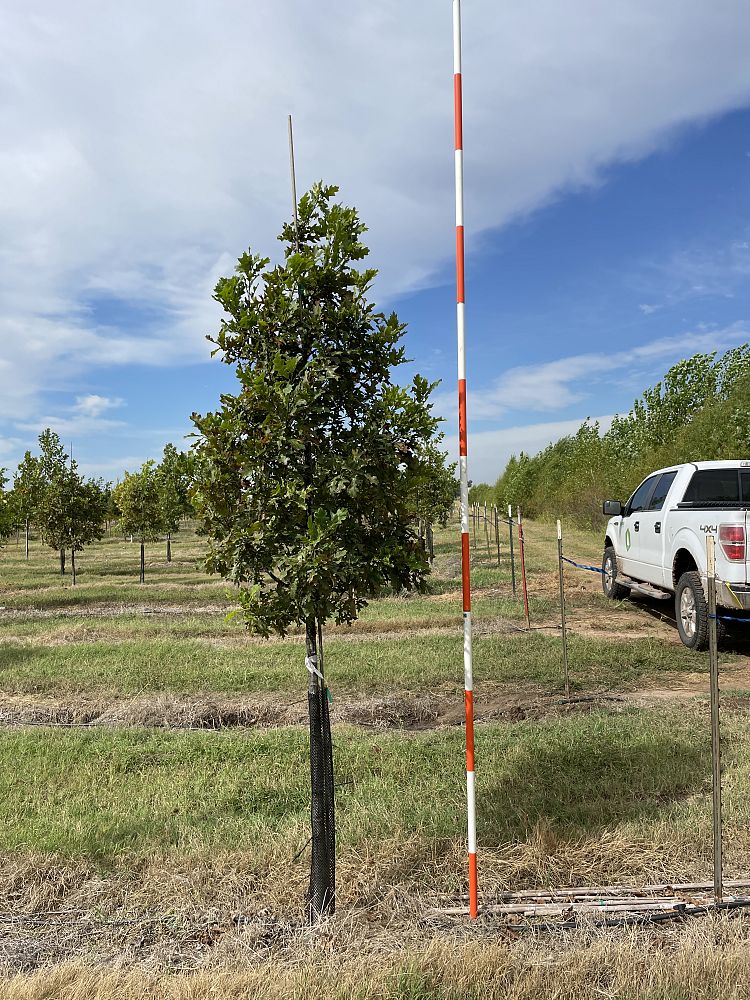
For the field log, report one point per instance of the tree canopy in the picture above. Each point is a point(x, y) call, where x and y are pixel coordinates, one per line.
point(306, 474)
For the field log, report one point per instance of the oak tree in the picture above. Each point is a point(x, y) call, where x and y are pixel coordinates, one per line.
point(305, 476)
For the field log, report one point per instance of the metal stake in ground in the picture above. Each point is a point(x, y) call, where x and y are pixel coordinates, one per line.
point(463, 462)
point(522, 548)
point(562, 607)
point(512, 556)
point(713, 656)
point(487, 530)
point(497, 533)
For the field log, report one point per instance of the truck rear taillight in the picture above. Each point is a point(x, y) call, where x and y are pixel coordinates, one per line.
point(732, 541)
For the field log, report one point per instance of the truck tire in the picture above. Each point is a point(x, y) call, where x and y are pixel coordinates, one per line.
point(691, 612)
point(612, 589)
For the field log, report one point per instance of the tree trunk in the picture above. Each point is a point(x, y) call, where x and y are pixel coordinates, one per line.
point(27, 539)
point(73, 565)
point(321, 899)
point(143, 563)
point(169, 547)
point(62, 562)
point(430, 542)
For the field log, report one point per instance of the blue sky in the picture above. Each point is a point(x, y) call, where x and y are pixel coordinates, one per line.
point(143, 148)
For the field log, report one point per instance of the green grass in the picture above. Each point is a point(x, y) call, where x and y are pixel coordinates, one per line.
point(412, 663)
point(102, 794)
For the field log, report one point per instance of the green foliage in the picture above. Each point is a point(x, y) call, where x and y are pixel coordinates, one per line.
point(7, 508)
point(28, 485)
point(482, 493)
point(699, 411)
point(138, 500)
point(69, 509)
point(305, 478)
point(173, 479)
point(435, 487)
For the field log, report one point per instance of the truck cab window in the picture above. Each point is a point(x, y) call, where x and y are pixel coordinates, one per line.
point(662, 488)
point(713, 486)
point(640, 498)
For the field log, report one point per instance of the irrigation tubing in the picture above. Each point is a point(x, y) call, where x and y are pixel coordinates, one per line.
point(591, 569)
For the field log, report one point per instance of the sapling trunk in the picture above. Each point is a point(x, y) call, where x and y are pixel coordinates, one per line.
point(169, 547)
point(73, 565)
point(142, 578)
point(62, 562)
point(430, 542)
point(27, 538)
point(321, 899)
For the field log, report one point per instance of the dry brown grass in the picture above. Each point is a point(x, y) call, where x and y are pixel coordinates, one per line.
point(704, 959)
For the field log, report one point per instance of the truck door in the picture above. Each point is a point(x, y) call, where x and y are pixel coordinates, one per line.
point(630, 527)
point(650, 534)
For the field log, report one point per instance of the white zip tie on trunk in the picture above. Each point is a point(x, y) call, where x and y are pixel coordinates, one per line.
point(311, 662)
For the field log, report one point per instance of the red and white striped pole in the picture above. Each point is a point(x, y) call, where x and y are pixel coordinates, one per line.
point(463, 466)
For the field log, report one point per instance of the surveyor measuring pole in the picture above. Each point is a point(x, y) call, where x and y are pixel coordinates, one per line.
point(462, 461)
point(562, 608)
point(713, 659)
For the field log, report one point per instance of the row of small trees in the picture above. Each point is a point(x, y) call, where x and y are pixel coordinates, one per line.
point(69, 511)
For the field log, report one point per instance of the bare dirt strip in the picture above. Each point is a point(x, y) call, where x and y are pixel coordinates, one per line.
point(399, 711)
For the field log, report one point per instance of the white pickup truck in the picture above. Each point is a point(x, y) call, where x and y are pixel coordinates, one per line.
point(656, 543)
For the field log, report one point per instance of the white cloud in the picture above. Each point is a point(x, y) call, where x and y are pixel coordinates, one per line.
point(489, 451)
point(695, 272)
point(556, 385)
point(94, 405)
point(144, 145)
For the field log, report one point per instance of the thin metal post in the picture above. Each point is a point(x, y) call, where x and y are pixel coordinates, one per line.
point(562, 607)
point(512, 555)
point(487, 530)
point(713, 656)
point(522, 548)
point(497, 533)
point(463, 463)
point(294, 183)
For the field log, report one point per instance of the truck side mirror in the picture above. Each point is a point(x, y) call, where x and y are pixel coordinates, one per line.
point(612, 508)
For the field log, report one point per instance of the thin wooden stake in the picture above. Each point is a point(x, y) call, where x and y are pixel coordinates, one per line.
point(512, 556)
point(487, 531)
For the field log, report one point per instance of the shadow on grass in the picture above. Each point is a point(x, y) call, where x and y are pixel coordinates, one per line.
point(577, 781)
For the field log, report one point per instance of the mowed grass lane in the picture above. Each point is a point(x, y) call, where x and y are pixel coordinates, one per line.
point(588, 786)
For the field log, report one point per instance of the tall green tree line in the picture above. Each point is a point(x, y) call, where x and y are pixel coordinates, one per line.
point(699, 411)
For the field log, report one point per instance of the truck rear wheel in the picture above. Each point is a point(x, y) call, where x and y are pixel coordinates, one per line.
point(691, 612)
point(612, 589)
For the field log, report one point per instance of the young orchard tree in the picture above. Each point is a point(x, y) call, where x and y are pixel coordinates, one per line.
point(28, 487)
point(52, 464)
point(435, 490)
point(173, 483)
point(304, 477)
point(7, 509)
point(72, 512)
point(137, 498)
